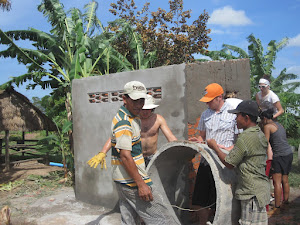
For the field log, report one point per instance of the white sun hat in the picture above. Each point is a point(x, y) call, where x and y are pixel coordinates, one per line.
point(135, 90)
point(149, 103)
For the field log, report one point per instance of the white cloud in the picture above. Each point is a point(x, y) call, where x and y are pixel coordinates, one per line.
point(294, 70)
point(216, 31)
point(198, 56)
point(225, 31)
point(227, 16)
point(295, 41)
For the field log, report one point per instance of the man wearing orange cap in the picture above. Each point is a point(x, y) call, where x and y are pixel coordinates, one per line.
point(215, 123)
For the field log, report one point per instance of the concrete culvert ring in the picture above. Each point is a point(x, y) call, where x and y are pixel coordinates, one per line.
point(170, 168)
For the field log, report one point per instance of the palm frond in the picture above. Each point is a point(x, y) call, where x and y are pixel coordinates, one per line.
point(256, 56)
point(54, 11)
point(15, 51)
point(282, 77)
point(241, 53)
point(90, 17)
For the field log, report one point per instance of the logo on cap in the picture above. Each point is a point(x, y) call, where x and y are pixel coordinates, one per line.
point(138, 88)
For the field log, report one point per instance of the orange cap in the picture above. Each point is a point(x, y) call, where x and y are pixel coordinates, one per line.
point(211, 91)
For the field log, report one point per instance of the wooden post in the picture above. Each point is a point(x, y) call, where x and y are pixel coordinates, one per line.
point(7, 162)
point(0, 147)
point(23, 142)
point(47, 159)
point(299, 155)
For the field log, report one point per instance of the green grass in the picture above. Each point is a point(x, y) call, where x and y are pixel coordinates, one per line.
point(36, 183)
point(294, 176)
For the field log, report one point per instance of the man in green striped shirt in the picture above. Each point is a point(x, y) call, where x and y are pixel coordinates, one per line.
point(138, 196)
point(249, 158)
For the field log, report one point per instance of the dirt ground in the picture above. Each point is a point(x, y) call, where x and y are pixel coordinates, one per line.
point(36, 202)
point(33, 203)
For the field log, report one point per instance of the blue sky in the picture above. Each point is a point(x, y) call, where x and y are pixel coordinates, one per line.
point(231, 23)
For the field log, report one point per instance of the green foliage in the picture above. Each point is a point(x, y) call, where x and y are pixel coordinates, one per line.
point(58, 142)
point(37, 185)
point(294, 176)
point(294, 142)
point(77, 46)
point(11, 185)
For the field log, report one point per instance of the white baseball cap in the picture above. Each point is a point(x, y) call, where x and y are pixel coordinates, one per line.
point(135, 90)
point(149, 103)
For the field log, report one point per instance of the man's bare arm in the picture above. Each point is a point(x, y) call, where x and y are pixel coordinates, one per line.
point(165, 129)
point(129, 165)
point(267, 132)
point(214, 146)
point(107, 146)
point(279, 109)
point(199, 138)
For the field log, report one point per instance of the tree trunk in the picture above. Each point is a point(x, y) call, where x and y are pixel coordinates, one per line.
point(7, 161)
point(68, 105)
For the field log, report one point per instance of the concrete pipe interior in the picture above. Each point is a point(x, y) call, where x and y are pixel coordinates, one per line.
point(170, 169)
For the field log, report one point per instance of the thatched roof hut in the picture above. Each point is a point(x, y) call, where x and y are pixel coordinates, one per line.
point(17, 113)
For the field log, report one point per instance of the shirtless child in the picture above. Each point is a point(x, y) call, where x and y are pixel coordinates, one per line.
point(150, 125)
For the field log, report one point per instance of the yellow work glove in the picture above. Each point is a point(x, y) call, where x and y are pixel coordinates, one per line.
point(99, 158)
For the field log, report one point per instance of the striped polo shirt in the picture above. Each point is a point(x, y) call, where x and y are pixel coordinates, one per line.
point(220, 126)
point(249, 157)
point(126, 135)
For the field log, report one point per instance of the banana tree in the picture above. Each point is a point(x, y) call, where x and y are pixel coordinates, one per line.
point(57, 142)
point(77, 46)
point(263, 63)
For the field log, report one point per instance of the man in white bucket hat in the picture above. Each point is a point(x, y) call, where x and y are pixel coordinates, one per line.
point(150, 124)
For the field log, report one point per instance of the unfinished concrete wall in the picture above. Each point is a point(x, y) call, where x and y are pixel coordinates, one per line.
point(95, 103)
point(232, 75)
point(177, 89)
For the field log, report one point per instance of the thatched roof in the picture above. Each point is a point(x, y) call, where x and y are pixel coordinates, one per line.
point(17, 113)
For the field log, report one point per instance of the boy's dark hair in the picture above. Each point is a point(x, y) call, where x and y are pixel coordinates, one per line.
point(230, 94)
point(267, 77)
point(267, 113)
point(252, 118)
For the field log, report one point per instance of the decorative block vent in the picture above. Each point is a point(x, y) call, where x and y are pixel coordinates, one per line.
point(116, 96)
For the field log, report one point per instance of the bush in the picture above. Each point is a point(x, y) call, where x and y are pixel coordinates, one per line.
point(294, 142)
point(294, 176)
